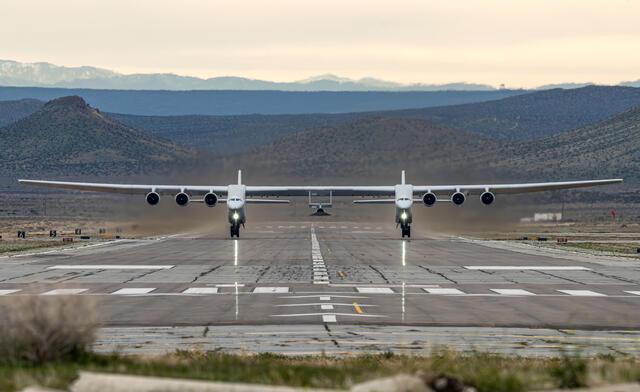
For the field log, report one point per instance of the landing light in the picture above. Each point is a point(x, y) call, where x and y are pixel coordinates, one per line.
point(236, 216)
point(403, 216)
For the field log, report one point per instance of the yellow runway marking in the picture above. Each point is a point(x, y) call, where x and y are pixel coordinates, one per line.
point(341, 274)
point(357, 307)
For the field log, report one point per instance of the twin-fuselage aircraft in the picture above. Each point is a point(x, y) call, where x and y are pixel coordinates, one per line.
point(238, 195)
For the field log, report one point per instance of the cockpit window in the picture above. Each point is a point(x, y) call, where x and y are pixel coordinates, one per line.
point(235, 199)
point(404, 198)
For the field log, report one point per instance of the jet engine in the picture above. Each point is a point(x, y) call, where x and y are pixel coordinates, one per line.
point(458, 198)
point(182, 199)
point(152, 198)
point(429, 199)
point(210, 199)
point(487, 198)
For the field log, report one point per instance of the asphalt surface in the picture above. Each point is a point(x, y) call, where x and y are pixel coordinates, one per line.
point(314, 276)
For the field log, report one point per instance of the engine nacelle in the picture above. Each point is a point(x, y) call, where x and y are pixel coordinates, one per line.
point(152, 198)
point(487, 198)
point(210, 199)
point(182, 199)
point(429, 199)
point(458, 198)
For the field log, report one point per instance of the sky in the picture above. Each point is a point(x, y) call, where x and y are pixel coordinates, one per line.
point(519, 43)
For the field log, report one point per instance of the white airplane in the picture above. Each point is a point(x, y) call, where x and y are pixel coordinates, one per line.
point(403, 194)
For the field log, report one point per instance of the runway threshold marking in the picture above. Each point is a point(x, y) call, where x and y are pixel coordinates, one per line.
point(633, 292)
point(65, 292)
point(583, 293)
point(374, 290)
point(6, 292)
point(357, 308)
point(201, 290)
point(134, 291)
point(443, 291)
point(270, 290)
point(512, 291)
point(526, 267)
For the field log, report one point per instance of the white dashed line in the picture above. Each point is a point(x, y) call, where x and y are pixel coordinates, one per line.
point(270, 290)
point(325, 298)
point(512, 292)
point(326, 307)
point(633, 292)
point(65, 292)
point(582, 293)
point(201, 290)
point(374, 290)
point(6, 292)
point(443, 291)
point(134, 291)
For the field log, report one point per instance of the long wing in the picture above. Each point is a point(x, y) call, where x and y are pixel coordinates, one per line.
point(335, 190)
point(131, 189)
point(515, 188)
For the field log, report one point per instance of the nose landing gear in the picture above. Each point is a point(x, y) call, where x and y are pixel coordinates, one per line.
point(235, 231)
point(406, 230)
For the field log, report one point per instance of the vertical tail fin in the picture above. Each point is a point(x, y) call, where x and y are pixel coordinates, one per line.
point(402, 182)
point(239, 177)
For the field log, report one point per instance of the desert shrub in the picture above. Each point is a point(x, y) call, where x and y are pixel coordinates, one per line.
point(37, 329)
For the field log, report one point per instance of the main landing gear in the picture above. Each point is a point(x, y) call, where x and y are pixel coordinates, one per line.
point(406, 230)
point(235, 231)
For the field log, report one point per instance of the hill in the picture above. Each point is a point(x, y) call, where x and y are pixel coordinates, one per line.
point(522, 117)
point(532, 115)
point(608, 148)
point(370, 146)
point(67, 136)
point(227, 102)
point(12, 111)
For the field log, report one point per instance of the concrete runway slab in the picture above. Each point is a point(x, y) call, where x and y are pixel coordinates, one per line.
point(338, 275)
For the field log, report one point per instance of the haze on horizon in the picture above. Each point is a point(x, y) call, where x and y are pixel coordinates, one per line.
point(520, 44)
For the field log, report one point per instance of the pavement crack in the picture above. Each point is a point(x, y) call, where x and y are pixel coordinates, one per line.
point(140, 276)
point(380, 273)
point(202, 274)
point(264, 271)
point(429, 270)
point(559, 277)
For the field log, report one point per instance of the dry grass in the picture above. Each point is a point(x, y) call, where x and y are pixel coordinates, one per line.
point(41, 329)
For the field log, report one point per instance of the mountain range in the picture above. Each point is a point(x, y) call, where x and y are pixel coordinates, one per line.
point(42, 74)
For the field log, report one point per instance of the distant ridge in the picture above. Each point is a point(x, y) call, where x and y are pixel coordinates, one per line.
point(13, 73)
point(12, 111)
point(67, 136)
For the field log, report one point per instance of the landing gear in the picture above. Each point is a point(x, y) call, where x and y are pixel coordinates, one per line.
point(406, 231)
point(235, 231)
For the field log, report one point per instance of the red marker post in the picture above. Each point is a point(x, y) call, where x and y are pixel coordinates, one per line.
point(613, 216)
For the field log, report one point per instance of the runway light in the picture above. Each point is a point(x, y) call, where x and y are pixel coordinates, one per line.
point(236, 216)
point(403, 216)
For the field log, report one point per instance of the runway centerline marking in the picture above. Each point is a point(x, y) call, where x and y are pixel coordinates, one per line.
point(582, 293)
point(329, 318)
point(526, 267)
point(112, 266)
point(326, 307)
point(65, 292)
point(133, 291)
point(320, 274)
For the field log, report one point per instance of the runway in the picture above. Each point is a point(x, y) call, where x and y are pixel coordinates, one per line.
point(335, 275)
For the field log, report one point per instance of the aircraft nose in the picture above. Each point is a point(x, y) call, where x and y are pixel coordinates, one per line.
point(404, 204)
point(234, 204)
